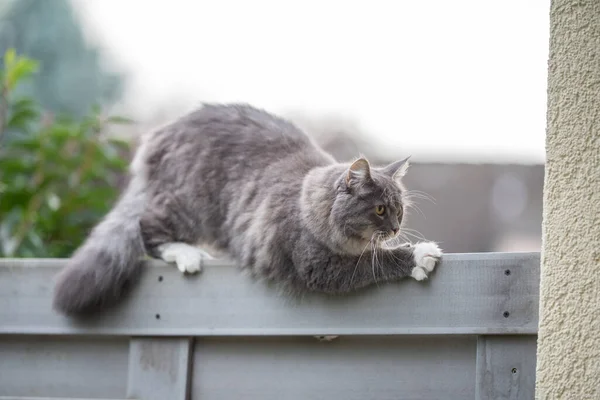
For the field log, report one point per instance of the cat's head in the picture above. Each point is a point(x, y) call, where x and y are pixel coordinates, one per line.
point(369, 201)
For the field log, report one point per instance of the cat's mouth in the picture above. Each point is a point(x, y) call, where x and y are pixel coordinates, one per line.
point(375, 237)
point(385, 236)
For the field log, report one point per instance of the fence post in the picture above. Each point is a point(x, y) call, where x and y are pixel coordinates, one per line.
point(159, 368)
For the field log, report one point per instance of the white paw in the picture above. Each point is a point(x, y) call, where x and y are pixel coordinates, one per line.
point(187, 258)
point(427, 255)
point(418, 274)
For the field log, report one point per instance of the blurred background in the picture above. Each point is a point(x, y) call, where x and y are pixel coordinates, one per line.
point(459, 85)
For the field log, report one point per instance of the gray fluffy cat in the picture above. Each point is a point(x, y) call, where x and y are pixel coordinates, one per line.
point(253, 185)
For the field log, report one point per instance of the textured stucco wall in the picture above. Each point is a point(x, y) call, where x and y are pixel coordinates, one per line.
point(568, 364)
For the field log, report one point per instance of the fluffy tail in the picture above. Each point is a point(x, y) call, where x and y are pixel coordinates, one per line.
point(109, 260)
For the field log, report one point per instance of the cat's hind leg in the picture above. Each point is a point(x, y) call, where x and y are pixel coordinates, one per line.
point(170, 233)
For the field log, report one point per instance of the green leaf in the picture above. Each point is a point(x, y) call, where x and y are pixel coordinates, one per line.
point(117, 119)
point(17, 70)
point(120, 143)
point(22, 118)
point(9, 58)
point(24, 102)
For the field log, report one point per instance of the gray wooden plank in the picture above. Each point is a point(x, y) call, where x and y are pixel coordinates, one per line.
point(68, 367)
point(349, 368)
point(159, 368)
point(506, 367)
point(49, 398)
point(467, 294)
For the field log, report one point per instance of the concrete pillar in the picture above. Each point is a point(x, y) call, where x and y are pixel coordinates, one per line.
point(568, 355)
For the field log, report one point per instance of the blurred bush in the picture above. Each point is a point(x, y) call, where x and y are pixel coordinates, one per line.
point(58, 175)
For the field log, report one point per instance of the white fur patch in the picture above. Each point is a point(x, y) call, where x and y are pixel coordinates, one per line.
point(418, 274)
point(426, 256)
point(187, 258)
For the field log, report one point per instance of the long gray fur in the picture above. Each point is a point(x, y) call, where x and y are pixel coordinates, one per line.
point(240, 180)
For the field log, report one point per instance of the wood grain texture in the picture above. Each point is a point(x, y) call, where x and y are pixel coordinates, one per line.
point(480, 293)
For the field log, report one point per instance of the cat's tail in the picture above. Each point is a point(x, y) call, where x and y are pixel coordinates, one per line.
point(108, 261)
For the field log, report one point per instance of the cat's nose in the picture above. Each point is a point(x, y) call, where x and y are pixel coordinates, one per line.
point(395, 231)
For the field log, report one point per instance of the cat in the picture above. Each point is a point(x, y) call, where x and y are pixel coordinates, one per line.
point(248, 183)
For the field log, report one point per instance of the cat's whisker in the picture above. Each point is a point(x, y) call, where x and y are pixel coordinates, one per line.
point(358, 261)
point(414, 233)
point(395, 258)
point(390, 243)
point(417, 194)
point(414, 237)
point(415, 207)
point(403, 237)
point(373, 262)
point(422, 193)
point(380, 240)
point(381, 267)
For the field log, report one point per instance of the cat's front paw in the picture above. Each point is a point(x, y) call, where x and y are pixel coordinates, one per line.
point(426, 256)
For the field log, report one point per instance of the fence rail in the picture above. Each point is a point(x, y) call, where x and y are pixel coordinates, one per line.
point(468, 332)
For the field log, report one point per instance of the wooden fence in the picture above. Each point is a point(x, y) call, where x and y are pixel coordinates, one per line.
point(467, 333)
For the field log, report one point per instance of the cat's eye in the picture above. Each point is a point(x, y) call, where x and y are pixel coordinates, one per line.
point(380, 210)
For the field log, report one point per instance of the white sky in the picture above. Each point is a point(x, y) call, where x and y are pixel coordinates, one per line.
point(445, 79)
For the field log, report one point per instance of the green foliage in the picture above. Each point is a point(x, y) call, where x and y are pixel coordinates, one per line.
point(72, 76)
point(58, 176)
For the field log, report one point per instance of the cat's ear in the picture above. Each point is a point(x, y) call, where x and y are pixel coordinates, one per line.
point(397, 170)
point(358, 172)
